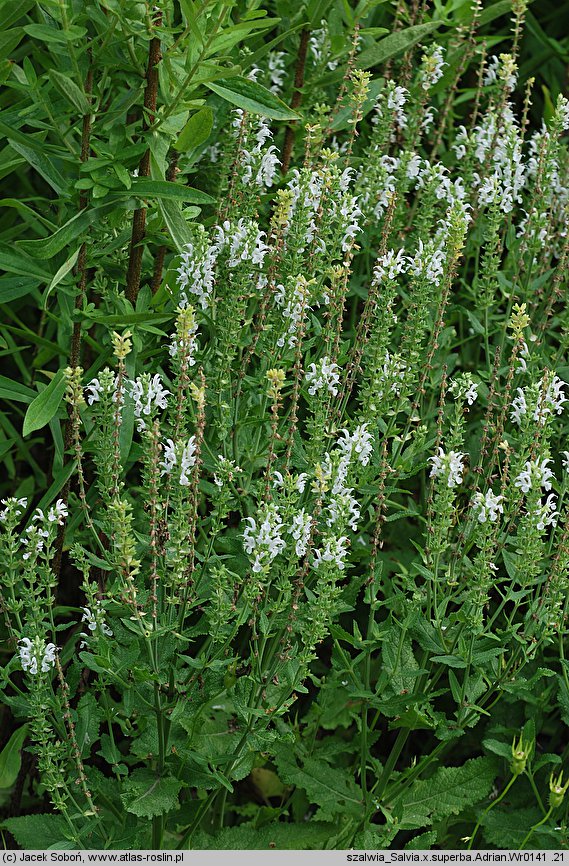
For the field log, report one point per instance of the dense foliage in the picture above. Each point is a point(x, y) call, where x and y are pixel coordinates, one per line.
point(284, 534)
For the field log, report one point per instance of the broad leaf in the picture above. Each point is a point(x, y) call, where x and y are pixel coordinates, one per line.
point(146, 794)
point(252, 97)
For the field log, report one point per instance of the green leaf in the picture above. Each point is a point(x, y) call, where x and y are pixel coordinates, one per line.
point(45, 33)
point(61, 273)
point(44, 407)
point(10, 390)
point(164, 189)
point(313, 835)
point(146, 794)
point(46, 248)
point(70, 91)
point(503, 7)
point(42, 164)
point(15, 287)
point(395, 44)
point(252, 97)
point(15, 262)
point(196, 130)
point(448, 792)
point(89, 716)
point(333, 789)
point(498, 748)
point(175, 222)
point(33, 830)
point(11, 757)
point(9, 40)
point(13, 10)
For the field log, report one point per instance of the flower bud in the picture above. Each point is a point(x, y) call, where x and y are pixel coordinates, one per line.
point(520, 754)
point(557, 790)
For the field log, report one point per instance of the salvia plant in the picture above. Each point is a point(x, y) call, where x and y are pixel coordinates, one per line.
point(290, 568)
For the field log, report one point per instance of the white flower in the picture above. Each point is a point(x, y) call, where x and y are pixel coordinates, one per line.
point(488, 507)
point(300, 531)
point(565, 461)
point(343, 507)
point(546, 514)
point(413, 166)
point(334, 551)
point(185, 453)
point(57, 513)
point(449, 467)
point(502, 68)
point(432, 68)
point(519, 407)
point(427, 263)
point(169, 457)
point(323, 375)
point(562, 109)
point(196, 273)
point(264, 542)
point(187, 461)
point(96, 619)
point(396, 99)
point(464, 388)
point(94, 389)
point(13, 507)
point(389, 266)
point(522, 357)
point(148, 394)
point(36, 655)
point(534, 472)
point(276, 69)
point(225, 471)
point(555, 397)
point(360, 442)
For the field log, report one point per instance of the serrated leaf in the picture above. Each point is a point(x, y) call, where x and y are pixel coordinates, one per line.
point(30, 829)
point(498, 748)
point(146, 794)
point(89, 716)
point(333, 789)
point(395, 44)
point(448, 792)
point(196, 130)
point(44, 407)
point(312, 835)
point(252, 97)
point(11, 757)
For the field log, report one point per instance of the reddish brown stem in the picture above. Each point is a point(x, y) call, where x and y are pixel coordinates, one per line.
point(296, 99)
point(139, 218)
point(161, 254)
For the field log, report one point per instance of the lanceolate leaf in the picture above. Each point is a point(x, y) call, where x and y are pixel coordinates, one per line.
point(165, 189)
point(43, 408)
point(46, 248)
point(395, 44)
point(252, 97)
point(11, 757)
